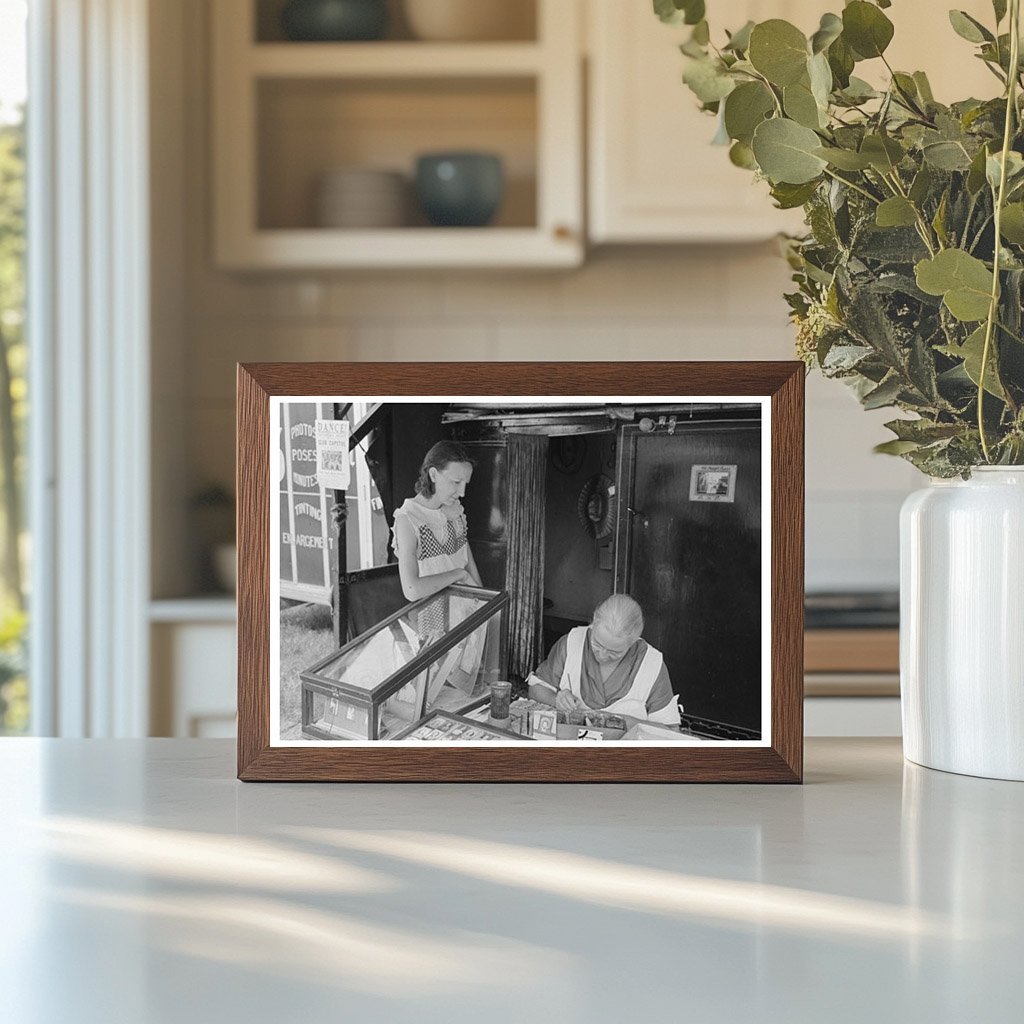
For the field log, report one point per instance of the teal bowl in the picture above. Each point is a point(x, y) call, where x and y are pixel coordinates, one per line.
point(332, 21)
point(461, 190)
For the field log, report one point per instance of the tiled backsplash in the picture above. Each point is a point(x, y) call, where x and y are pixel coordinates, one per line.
point(701, 303)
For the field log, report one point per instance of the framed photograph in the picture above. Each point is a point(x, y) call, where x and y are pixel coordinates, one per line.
point(712, 483)
point(585, 572)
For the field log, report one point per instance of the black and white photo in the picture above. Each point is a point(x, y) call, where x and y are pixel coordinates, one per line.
point(516, 571)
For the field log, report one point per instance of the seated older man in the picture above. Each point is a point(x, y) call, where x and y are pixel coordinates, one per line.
point(606, 666)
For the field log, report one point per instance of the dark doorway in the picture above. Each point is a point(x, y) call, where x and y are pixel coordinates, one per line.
point(694, 562)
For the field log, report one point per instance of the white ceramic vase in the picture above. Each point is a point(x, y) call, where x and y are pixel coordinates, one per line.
point(962, 624)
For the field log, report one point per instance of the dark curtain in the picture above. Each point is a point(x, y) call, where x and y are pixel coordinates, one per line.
point(524, 574)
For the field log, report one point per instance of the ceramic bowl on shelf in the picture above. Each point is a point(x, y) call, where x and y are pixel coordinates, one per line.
point(469, 20)
point(460, 189)
point(361, 197)
point(334, 20)
point(225, 566)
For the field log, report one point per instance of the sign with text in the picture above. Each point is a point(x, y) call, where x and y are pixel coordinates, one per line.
point(332, 460)
point(311, 440)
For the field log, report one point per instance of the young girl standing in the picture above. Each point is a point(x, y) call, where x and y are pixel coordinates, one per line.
point(430, 533)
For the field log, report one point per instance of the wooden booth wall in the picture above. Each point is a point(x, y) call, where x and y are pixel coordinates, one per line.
point(695, 566)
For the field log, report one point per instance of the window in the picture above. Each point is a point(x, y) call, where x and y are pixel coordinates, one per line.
point(14, 550)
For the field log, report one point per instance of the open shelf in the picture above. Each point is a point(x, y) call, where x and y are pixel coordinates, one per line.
point(406, 248)
point(518, 22)
point(306, 128)
point(394, 60)
point(288, 113)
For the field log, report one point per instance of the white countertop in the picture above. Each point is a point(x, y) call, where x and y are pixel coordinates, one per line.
point(143, 884)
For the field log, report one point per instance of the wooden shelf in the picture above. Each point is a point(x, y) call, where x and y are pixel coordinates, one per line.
point(284, 113)
point(852, 650)
point(401, 247)
point(392, 60)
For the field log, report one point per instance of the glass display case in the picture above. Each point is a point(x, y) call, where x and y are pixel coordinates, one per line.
point(440, 653)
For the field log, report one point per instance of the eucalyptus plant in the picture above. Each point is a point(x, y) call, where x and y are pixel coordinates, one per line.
point(910, 278)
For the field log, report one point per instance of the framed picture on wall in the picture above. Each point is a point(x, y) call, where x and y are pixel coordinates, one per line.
point(520, 571)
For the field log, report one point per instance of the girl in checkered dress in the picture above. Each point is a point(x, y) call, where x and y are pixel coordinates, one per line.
point(430, 529)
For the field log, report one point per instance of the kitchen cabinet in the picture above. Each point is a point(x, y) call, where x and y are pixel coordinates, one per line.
point(653, 175)
point(852, 682)
point(287, 113)
point(192, 667)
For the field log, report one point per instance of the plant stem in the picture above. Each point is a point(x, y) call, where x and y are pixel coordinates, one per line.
point(1012, 334)
point(855, 187)
point(908, 101)
point(993, 308)
point(981, 231)
point(922, 225)
point(970, 215)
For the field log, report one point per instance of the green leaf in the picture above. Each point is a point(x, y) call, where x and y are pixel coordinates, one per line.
point(885, 394)
point(906, 88)
point(707, 80)
point(1011, 225)
point(789, 197)
point(923, 431)
point(939, 220)
point(921, 185)
point(895, 447)
point(668, 12)
point(946, 156)
point(994, 167)
point(820, 75)
point(800, 105)
point(921, 369)
point(858, 91)
point(701, 33)
point(745, 108)
point(971, 352)
point(829, 30)
point(976, 174)
point(739, 41)
point(883, 153)
point(785, 152)
point(968, 28)
point(924, 88)
point(999, 7)
point(822, 222)
point(694, 11)
point(743, 67)
point(742, 155)
point(677, 12)
point(841, 60)
point(963, 281)
point(997, 53)
point(866, 29)
point(896, 212)
point(844, 159)
point(778, 50)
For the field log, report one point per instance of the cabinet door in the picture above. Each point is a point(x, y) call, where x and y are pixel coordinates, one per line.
point(653, 174)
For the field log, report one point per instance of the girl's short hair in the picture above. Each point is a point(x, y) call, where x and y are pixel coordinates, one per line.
point(440, 457)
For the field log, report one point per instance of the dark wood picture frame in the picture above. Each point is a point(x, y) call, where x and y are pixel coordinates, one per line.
point(779, 761)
